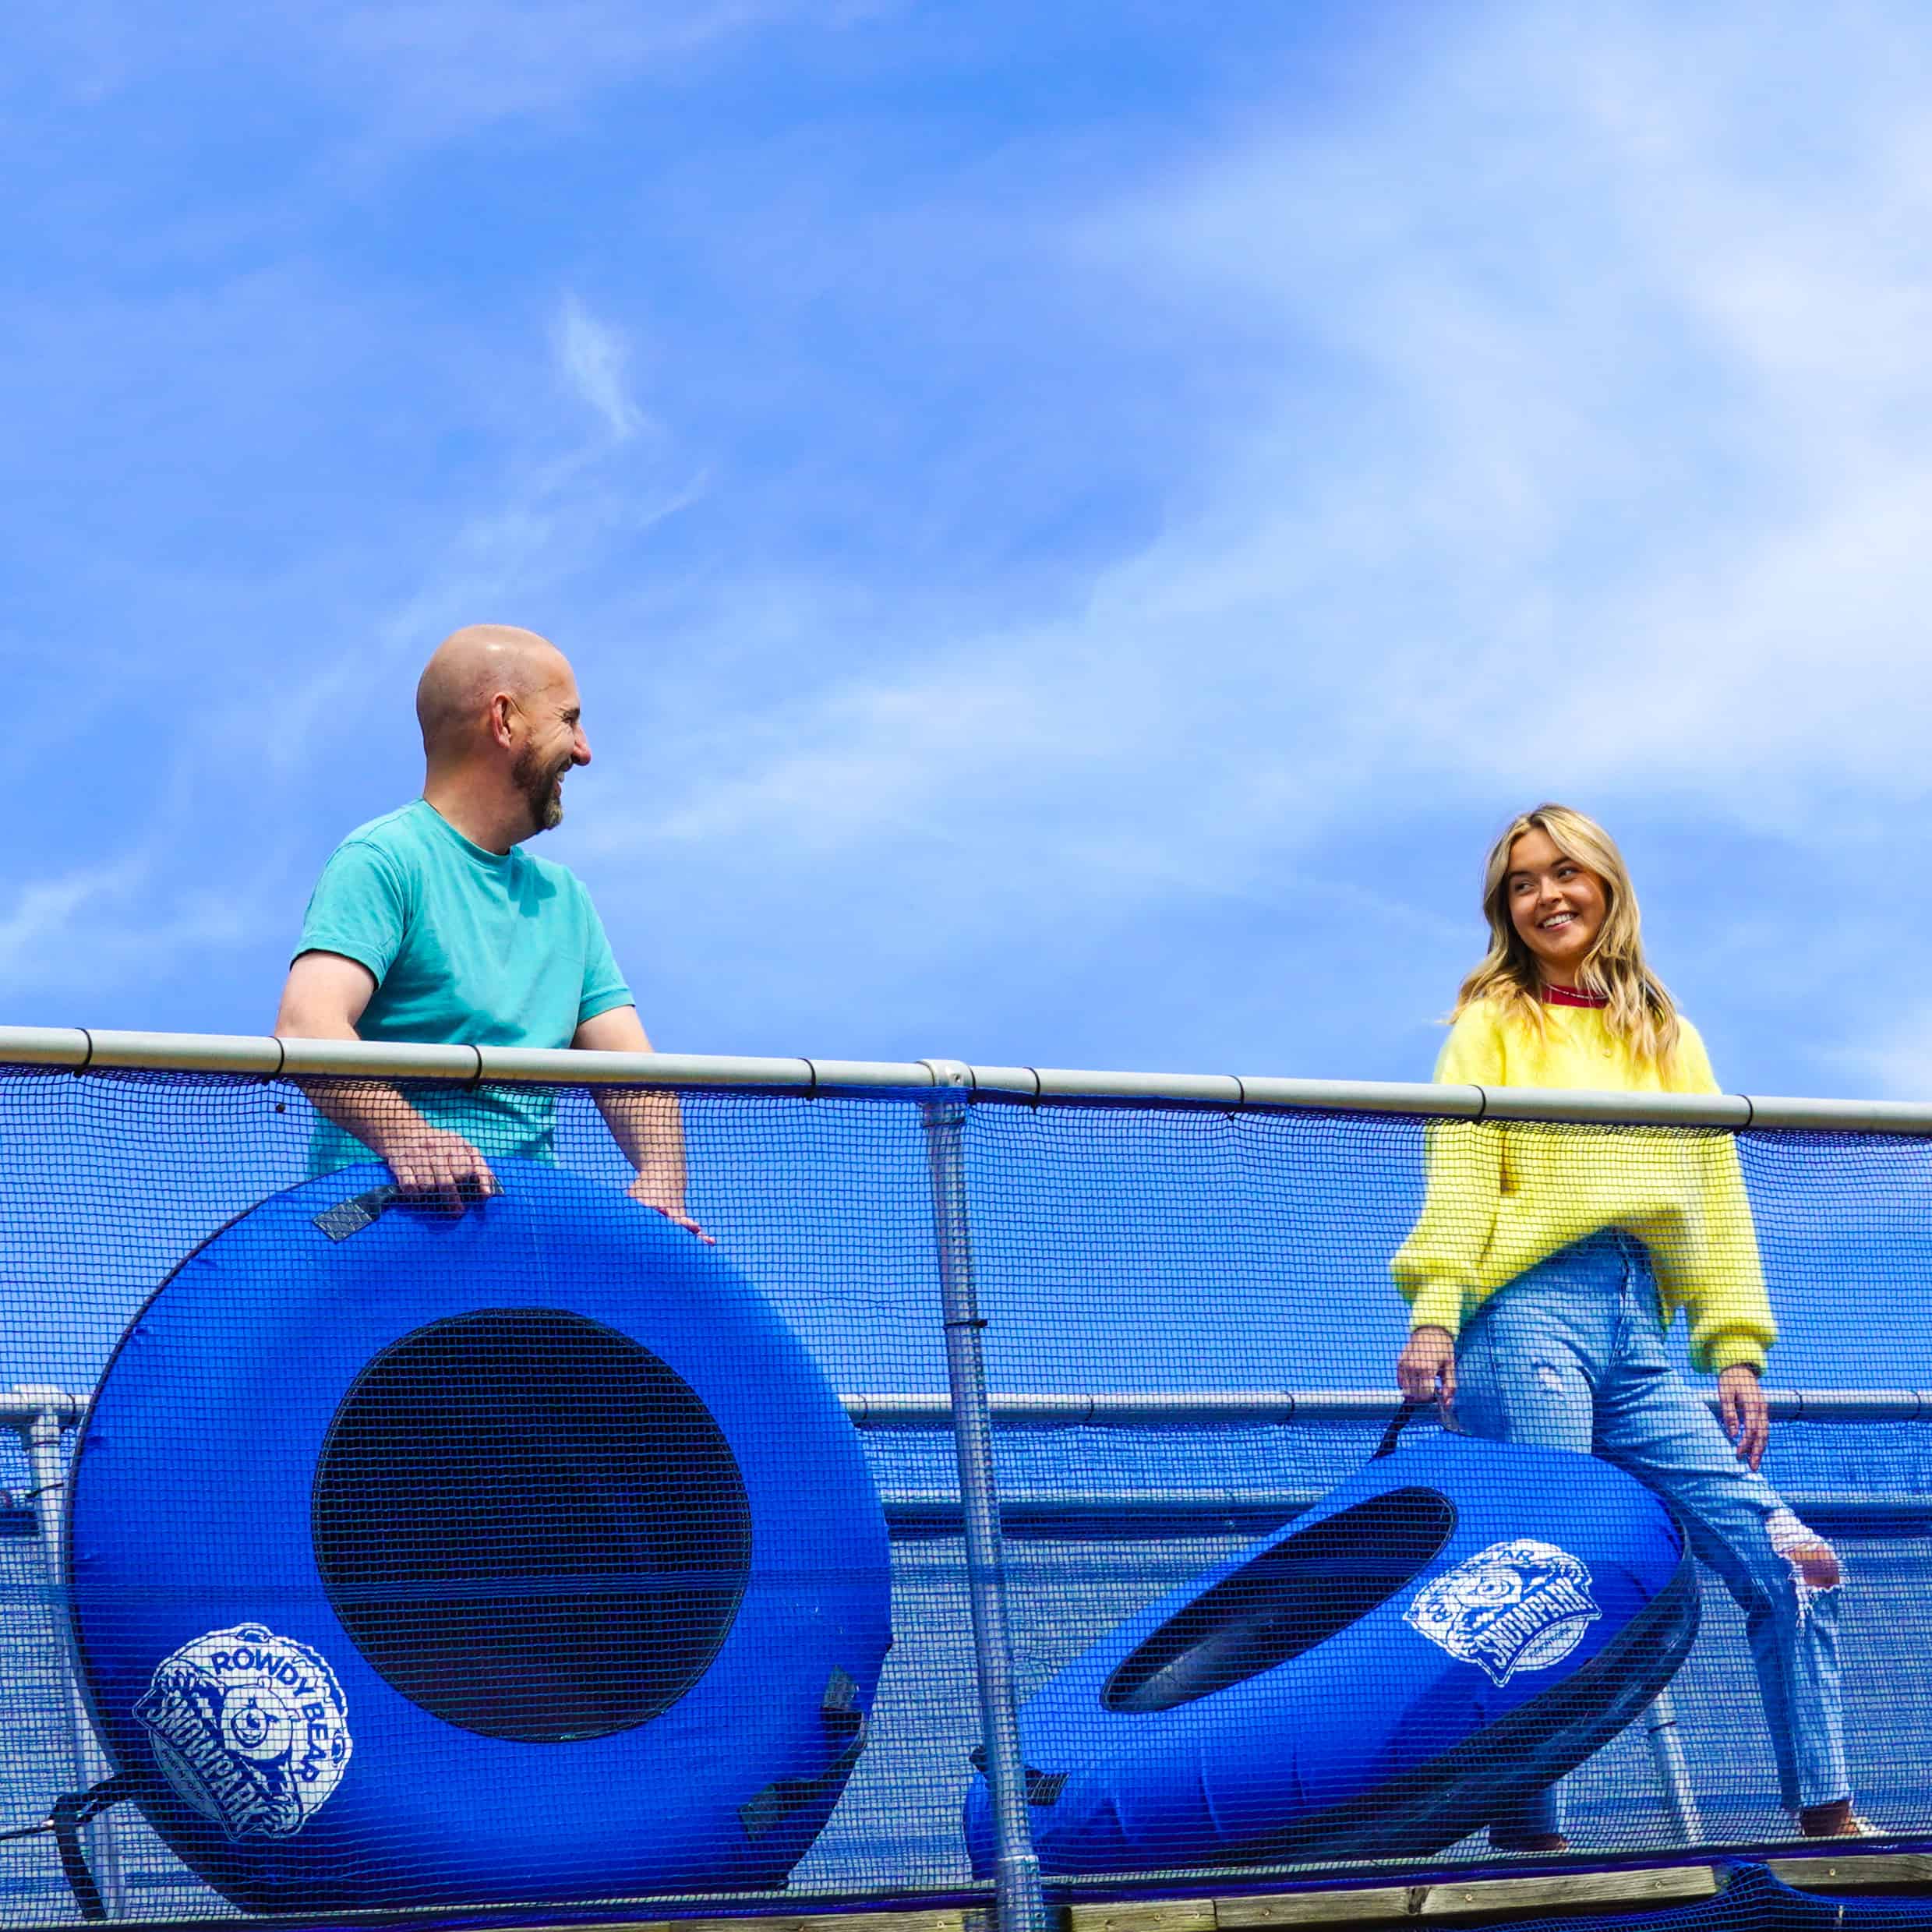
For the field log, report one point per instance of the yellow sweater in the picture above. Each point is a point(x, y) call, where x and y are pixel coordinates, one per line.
point(1500, 1198)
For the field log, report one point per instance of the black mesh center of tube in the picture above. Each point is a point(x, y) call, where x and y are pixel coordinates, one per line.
point(530, 1527)
point(1287, 1601)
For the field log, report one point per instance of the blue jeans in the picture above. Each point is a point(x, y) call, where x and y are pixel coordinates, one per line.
point(1570, 1356)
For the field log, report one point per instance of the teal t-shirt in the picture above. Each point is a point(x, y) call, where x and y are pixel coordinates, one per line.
point(471, 947)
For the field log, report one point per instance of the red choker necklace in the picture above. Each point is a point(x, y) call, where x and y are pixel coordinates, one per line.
point(1571, 996)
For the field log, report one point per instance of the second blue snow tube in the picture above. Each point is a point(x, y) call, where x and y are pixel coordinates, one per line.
point(1445, 1633)
point(521, 1556)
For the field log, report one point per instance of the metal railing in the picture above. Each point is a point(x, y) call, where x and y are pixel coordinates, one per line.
point(79, 1049)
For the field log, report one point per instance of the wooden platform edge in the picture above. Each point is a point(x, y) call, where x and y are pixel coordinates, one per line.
point(1556, 1891)
point(1859, 1871)
point(956, 1919)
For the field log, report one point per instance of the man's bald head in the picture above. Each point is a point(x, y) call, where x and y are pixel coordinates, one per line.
point(502, 728)
point(468, 670)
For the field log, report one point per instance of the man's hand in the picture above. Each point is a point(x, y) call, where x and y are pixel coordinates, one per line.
point(1746, 1413)
point(647, 1192)
point(648, 1125)
point(1425, 1370)
point(436, 1167)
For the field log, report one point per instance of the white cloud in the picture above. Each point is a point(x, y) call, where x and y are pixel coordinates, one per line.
point(37, 935)
point(417, 71)
point(591, 356)
point(451, 62)
point(1582, 445)
point(1894, 1058)
point(88, 928)
point(1565, 434)
point(1546, 414)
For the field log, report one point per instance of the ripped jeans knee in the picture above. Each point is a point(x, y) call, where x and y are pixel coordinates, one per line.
point(1814, 1562)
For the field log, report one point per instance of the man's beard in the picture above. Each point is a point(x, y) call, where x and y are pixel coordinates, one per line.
point(542, 788)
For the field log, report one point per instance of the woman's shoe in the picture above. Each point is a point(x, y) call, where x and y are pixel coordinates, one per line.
point(1546, 1842)
point(1835, 1820)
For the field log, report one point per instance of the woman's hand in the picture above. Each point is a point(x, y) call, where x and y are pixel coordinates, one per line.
point(1426, 1368)
point(1745, 1413)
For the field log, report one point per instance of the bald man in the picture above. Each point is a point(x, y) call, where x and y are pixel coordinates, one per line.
point(433, 923)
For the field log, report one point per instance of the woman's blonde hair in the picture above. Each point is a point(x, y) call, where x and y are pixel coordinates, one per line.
point(1640, 1012)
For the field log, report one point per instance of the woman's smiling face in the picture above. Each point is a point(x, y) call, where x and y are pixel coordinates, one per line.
point(1557, 907)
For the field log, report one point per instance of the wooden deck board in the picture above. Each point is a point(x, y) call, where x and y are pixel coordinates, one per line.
point(1553, 1891)
point(1859, 1871)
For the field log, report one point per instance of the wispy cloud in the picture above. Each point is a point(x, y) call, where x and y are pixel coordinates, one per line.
point(1554, 380)
point(421, 70)
point(591, 356)
point(451, 62)
point(1564, 434)
point(1119, 524)
point(1893, 1058)
point(37, 934)
point(78, 932)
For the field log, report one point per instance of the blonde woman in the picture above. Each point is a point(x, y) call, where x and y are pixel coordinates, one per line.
point(1546, 1266)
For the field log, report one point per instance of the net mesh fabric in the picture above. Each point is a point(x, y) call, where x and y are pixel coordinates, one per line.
point(1119, 1250)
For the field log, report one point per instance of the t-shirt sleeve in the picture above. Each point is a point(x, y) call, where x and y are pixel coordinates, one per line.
point(360, 908)
point(604, 986)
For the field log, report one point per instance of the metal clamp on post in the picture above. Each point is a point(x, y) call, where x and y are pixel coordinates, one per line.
point(46, 1414)
point(1021, 1906)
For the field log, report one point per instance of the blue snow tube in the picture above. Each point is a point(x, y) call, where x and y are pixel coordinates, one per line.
point(1446, 1632)
point(520, 1554)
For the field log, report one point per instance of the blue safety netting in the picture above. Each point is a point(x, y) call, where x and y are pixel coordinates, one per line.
point(1119, 1250)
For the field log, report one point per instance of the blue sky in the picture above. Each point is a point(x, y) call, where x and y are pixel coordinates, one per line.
point(1075, 524)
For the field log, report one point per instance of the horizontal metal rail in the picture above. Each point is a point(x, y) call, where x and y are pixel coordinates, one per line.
point(1152, 1513)
point(1206, 1511)
point(1252, 1408)
point(1177, 1409)
point(83, 1050)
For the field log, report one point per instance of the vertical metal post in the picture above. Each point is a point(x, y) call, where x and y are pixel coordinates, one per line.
point(1673, 1769)
point(1021, 1905)
point(88, 1763)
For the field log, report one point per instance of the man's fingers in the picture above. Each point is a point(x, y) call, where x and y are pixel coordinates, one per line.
point(1449, 1384)
point(440, 1183)
point(675, 1216)
point(443, 1172)
point(471, 1172)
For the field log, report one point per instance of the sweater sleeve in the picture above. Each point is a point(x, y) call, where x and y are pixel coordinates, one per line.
point(1715, 1272)
point(1435, 1268)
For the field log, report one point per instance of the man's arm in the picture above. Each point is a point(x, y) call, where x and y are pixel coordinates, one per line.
point(648, 1127)
point(324, 998)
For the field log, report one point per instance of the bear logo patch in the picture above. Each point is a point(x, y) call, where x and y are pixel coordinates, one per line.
point(250, 1728)
point(1520, 1606)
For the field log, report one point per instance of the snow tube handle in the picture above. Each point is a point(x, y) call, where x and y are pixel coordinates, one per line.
point(359, 1211)
point(1409, 1410)
point(72, 1810)
point(845, 1732)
